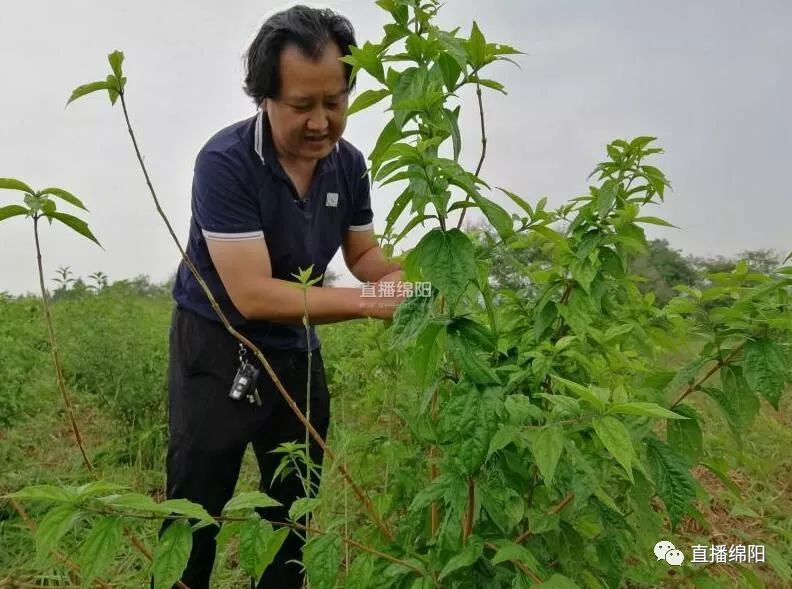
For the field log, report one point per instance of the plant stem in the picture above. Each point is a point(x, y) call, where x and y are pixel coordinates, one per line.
point(483, 148)
point(359, 492)
point(55, 354)
point(467, 525)
point(719, 364)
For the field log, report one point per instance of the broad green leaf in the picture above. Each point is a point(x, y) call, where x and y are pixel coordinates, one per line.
point(672, 478)
point(447, 260)
point(85, 89)
point(250, 500)
point(426, 353)
point(616, 438)
point(361, 572)
point(558, 582)
point(389, 135)
point(502, 438)
point(473, 365)
point(78, 225)
point(12, 211)
point(581, 391)
point(511, 552)
point(521, 410)
point(99, 548)
point(579, 311)
point(450, 70)
point(47, 493)
point(504, 506)
point(188, 508)
point(303, 506)
point(367, 99)
point(136, 502)
point(472, 551)
point(409, 320)
point(95, 488)
point(258, 545)
point(478, 432)
point(547, 445)
point(321, 557)
point(738, 402)
point(545, 319)
point(12, 184)
point(116, 58)
point(172, 553)
point(53, 527)
point(645, 409)
point(476, 47)
point(685, 436)
point(765, 369)
point(366, 58)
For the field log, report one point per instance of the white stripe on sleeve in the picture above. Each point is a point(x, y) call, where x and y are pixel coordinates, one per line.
point(248, 235)
point(361, 227)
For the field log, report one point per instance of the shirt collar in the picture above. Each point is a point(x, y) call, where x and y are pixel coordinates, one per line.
point(265, 149)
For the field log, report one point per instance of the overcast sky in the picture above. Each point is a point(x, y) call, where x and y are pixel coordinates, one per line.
point(711, 79)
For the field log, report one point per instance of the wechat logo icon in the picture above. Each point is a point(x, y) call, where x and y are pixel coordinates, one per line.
point(665, 550)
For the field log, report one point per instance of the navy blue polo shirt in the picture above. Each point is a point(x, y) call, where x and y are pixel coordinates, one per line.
point(240, 192)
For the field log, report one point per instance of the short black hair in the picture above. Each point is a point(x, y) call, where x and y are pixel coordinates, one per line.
point(310, 29)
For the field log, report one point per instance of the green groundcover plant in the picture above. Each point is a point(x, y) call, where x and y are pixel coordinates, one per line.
point(549, 447)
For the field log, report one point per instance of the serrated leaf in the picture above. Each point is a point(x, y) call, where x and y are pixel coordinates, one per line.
point(476, 47)
point(581, 391)
point(644, 409)
point(469, 361)
point(547, 446)
point(78, 225)
point(447, 260)
point(135, 502)
point(303, 506)
point(321, 557)
point(86, 89)
point(472, 551)
point(616, 438)
point(672, 478)
point(172, 553)
point(250, 500)
point(99, 548)
point(258, 545)
point(47, 493)
point(53, 527)
point(188, 508)
point(738, 402)
point(12, 211)
point(504, 506)
point(511, 552)
point(360, 573)
point(546, 317)
point(116, 59)
point(367, 99)
point(685, 436)
point(13, 184)
point(765, 369)
point(98, 488)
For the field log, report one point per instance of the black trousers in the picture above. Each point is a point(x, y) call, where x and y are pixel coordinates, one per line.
point(209, 433)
